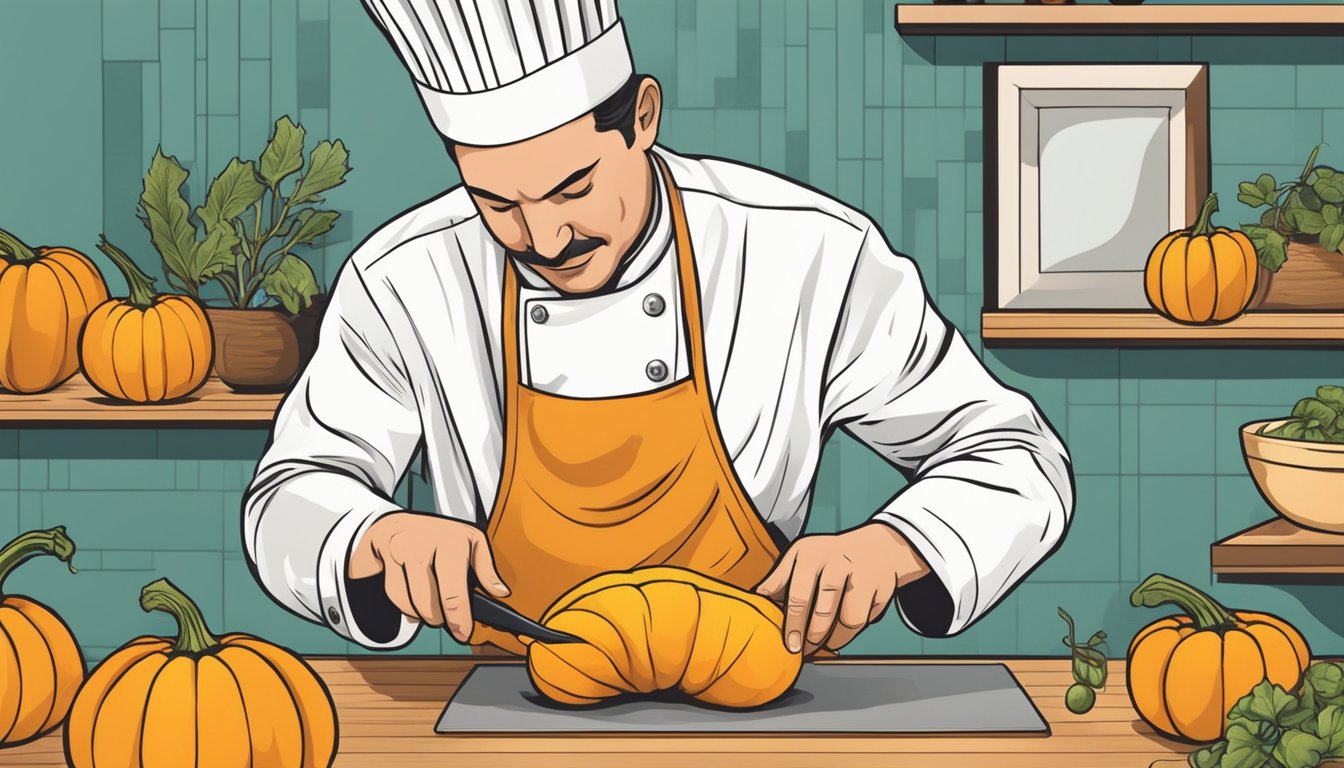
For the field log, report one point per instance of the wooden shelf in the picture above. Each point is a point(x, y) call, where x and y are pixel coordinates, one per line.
point(1279, 548)
point(1183, 19)
point(1253, 329)
point(76, 403)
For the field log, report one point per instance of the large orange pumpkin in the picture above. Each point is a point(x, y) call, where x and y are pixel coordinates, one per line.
point(663, 628)
point(1205, 274)
point(41, 666)
point(145, 348)
point(45, 295)
point(1186, 671)
point(195, 700)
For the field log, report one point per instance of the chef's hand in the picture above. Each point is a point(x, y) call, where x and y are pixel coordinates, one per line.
point(834, 585)
point(424, 560)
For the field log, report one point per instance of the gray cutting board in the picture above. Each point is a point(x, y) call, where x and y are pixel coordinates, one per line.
point(828, 698)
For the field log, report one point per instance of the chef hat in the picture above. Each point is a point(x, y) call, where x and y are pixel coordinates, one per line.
point(494, 72)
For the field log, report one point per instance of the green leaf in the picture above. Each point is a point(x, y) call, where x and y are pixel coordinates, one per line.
point(1332, 236)
point(1334, 397)
point(312, 225)
point(1310, 200)
point(168, 217)
point(1330, 728)
point(327, 167)
point(1299, 749)
point(284, 153)
point(1327, 678)
point(1210, 756)
point(1269, 218)
point(1305, 220)
point(1270, 703)
point(1331, 214)
point(233, 191)
point(1271, 248)
point(1251, 195)
point(293, 282)
point(1246, 748)
point(1330, 188)
point(215, 252)
point(1313, 410)
point(1291, 430)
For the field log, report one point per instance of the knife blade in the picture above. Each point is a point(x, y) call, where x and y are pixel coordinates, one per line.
point(491, 612)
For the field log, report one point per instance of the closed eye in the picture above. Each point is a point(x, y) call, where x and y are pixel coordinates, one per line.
point(504, 208)
point(580, 193)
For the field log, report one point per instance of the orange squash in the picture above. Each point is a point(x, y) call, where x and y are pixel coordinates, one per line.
point(663, 628)
point(198, 700)
point(145, 348)
point(41, 666)
point(45, 295)
point(1186, 671)
point(1202, 275)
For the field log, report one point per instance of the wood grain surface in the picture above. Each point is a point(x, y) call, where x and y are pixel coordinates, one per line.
point(388, 707)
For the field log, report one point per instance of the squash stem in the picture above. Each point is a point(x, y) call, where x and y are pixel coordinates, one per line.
point(52, 541)
point(193, 636)
point(1206, 612)
point(1204, 225)
point(15, 247)
point(140, 284)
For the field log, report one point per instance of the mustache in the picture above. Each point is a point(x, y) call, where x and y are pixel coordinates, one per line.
point(576, 248)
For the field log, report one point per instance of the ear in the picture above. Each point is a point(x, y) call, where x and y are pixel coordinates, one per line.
point(648, 110)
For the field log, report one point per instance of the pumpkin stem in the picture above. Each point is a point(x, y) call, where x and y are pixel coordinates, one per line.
point(141, 285)
point(16, 247)
point(193, 636)
point(1206, 612)
point(52, 541)
point(1204, 225)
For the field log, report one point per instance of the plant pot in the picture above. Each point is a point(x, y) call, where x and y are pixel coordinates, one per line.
point(305, 326)
point(1300, 479)
point(1311, 278)
point(256, 350)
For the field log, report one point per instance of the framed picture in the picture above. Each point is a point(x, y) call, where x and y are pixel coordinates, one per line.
point(1091, 165)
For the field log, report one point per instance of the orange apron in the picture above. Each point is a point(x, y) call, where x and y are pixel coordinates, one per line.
point(608, 484)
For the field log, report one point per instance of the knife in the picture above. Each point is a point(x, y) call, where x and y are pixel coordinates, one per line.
point(491, 612)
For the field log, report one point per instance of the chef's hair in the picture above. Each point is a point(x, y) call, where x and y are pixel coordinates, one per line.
point(615, 113)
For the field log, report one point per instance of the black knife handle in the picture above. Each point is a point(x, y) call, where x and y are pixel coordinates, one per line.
point(491, 612)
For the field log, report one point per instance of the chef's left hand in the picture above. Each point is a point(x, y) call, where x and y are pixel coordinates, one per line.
point(834, 585)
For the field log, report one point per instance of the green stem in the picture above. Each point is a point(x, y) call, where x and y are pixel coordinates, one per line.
point(1206, 612)
point(1204, 225)
point(16, 247)
point(52, 541)
point(141, 285)
point(1311, 162)
point(193, 636)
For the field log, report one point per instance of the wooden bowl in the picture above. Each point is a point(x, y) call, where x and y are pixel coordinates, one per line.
point(1302, 480)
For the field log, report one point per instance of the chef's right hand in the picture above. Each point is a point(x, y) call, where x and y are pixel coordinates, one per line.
point(424, 560)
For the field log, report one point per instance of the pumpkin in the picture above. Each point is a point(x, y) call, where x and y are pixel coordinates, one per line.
point(1185, 672)
point(198, 700)
point(663, 628)
point(1202, 275)
point(145, 348)
point(41, 666)
point(45, 295)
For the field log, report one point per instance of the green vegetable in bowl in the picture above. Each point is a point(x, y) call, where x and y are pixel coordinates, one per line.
point(1318, 419)
point(1089, 669)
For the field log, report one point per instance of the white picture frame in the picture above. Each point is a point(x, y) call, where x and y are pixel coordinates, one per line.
point(1092, 165)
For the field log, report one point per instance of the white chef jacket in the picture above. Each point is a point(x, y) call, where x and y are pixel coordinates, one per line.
point(811, 324)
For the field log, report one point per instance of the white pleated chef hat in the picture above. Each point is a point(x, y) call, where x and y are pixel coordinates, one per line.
point(494, 72)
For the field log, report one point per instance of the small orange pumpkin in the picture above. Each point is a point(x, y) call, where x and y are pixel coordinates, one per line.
point(45, 295)
point(1185, 672)
point(41, 666)
point(199, 700)
point(145, 348)
point(1202, 275)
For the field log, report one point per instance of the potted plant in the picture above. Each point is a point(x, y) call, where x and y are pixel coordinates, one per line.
point(1299, 240)
point(255, 217)
point(1297, 461)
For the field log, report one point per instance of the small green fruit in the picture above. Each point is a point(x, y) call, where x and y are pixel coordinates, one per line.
point(1080, 698)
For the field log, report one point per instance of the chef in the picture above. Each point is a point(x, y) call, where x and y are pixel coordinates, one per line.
point(611, 355)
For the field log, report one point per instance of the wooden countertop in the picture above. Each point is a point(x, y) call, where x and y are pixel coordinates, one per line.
point(388, 706)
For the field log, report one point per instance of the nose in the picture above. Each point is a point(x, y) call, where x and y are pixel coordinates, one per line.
point(549, 233)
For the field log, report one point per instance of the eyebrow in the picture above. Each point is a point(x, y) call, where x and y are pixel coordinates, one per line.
point(557, 189)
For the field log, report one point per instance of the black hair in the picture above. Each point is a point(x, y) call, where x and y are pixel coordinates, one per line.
point(615, 113)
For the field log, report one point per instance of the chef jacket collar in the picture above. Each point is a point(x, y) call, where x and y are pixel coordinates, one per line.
point(647, 251)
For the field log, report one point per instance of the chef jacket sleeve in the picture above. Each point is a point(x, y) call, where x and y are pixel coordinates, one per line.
point(342, 439)
point(991, 487)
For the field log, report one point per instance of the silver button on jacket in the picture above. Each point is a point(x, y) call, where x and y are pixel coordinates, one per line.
point(657, 370)
point(539, 314)
point(654, 305)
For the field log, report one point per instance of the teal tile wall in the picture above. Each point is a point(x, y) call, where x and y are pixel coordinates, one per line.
point(824, 91)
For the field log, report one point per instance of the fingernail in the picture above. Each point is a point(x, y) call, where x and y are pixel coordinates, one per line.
point(499, 585)
point(795, 642)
